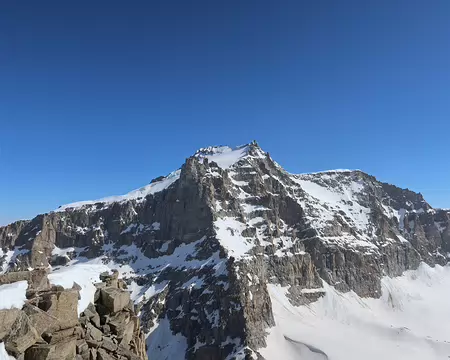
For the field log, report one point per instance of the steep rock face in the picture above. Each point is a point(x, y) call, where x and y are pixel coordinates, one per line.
point(200, 246)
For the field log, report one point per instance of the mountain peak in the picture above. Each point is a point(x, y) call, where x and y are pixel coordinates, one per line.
point(226, 156)
point(221, 261)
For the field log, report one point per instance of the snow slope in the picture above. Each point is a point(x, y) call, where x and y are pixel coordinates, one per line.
point(174, 345)
point(133, 195)
point(409, 321)
point(13, 295)
point(223, 156)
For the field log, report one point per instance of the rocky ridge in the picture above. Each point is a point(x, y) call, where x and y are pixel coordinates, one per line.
point(198, 248)
point(47, 327)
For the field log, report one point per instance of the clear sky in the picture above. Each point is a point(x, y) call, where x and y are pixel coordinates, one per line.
point(99, 97)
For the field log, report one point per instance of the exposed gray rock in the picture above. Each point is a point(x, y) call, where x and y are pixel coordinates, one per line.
point(37, 279)
point(108, 344)
point(82, 348)
point(7, 319)
point(103, 355)
point(93, 333)
point(115, 299)
point(343, 227)
point(62, 305)
point(41, 320)
point(63, 350)
point(119, 327)
point(21, 336)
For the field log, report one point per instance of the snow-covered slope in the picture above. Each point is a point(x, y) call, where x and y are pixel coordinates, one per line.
point(223, 156)
point(407, 322)
point(13, 295)
point(230, 255)
point(138, 194)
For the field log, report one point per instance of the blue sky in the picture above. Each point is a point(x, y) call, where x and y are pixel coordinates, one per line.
point(97, 98)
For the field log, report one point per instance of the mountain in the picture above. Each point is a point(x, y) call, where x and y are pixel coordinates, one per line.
point(232, 257)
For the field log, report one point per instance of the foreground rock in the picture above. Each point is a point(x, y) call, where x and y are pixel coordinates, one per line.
point(48, 327)
point(112, 329)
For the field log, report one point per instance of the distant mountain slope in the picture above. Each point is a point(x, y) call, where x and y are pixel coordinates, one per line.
point(230, 253)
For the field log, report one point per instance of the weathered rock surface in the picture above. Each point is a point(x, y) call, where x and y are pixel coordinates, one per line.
point(21, 336)
point(7, 319)
point(203, 243)
point(61, 305)
point(116, 331)
point(114, 299)
point(65, 349)
point(48, 328)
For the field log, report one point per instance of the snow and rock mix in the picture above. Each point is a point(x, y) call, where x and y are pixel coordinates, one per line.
point(232, 257)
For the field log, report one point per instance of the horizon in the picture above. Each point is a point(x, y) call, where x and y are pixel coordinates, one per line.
point(100, 98)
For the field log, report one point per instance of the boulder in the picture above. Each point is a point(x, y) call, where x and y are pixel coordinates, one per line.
point(59, 336)
point(63, 350)
point(82, 347)
point(62, 305)
point(98, 286)
point(93, 333)
point(103, 355)
point(93, 344)
point(111, 280)
point(7, 319)
point(114, 299)
point(109, 344)
point(21, 335)
point(41, 320)
point(106, 329)
point(14, 276)
point(119, 322)
point(92, 315)
point(130, 306)
point(37, 278)
point(127, 334)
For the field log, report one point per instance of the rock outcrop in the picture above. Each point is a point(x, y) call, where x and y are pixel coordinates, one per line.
point(48, 327)
point(200, 246)
point(111, 326)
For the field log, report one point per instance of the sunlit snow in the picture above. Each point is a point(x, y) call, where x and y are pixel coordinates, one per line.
point(13, 295)
point(407, 322)
point(135, 194)
point(223, 156)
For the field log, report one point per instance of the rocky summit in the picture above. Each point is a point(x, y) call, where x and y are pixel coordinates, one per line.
point(218, 257)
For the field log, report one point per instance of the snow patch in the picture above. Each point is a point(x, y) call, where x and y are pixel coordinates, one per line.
point(139, 293)
point(229, 233)
point(3, 354)
point(224, 156)
point(162, 344)
point(13, 295)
